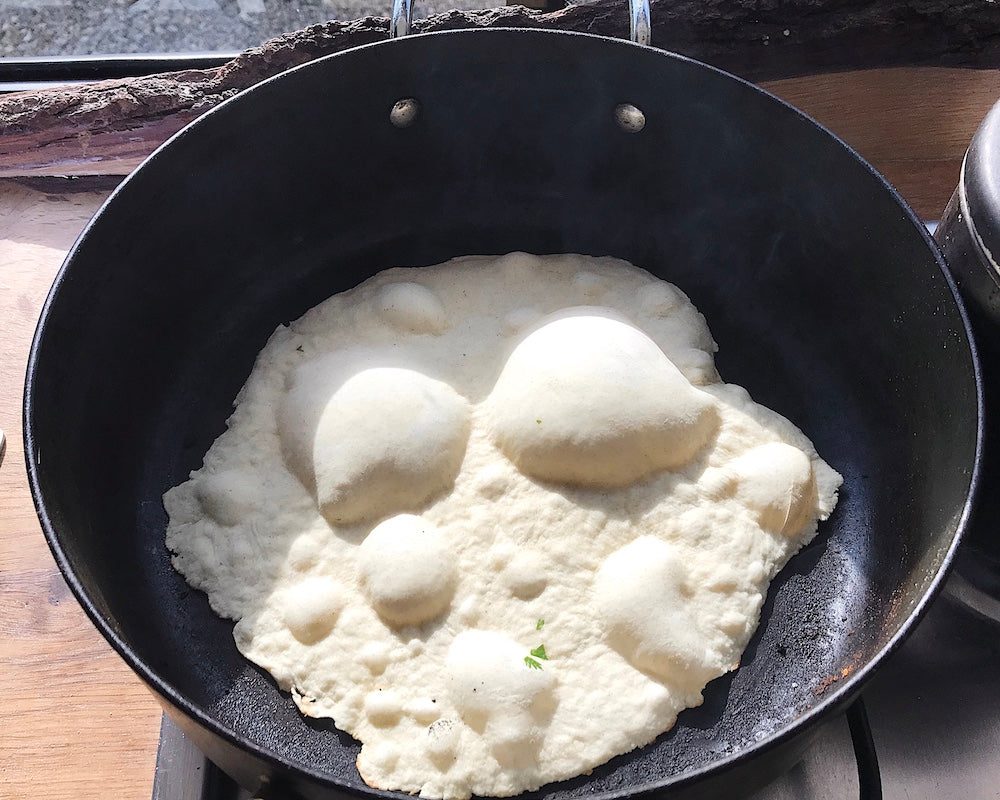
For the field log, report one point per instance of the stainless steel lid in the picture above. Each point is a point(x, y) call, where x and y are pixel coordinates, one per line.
point(980, 186)
point(969, 236)
point(969, 232)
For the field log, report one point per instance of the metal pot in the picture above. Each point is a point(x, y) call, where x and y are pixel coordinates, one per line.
point(969, 235)
point(828, 299)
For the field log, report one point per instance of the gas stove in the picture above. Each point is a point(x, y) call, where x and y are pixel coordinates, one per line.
point(927, 726)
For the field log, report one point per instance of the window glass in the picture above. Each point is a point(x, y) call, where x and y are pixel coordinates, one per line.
point(31, 28)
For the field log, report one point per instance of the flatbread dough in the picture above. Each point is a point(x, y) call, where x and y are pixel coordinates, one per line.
point(457, 508)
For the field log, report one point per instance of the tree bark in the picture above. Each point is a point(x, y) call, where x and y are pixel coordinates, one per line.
point(108, 127)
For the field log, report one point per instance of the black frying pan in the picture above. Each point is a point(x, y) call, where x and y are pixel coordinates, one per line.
point(828, 299)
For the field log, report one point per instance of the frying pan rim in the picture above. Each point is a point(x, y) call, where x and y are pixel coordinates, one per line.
point(844, 691)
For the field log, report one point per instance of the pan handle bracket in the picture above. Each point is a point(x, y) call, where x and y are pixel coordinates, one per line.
point(639, 24)
point(402, 16)
point(640, 27)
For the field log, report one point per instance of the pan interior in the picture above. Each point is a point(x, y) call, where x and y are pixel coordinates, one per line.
point(827, 301)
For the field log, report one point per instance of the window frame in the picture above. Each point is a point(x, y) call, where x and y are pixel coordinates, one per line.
point(43, 72)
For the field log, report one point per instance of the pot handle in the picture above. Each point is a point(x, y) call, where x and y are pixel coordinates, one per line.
point(639, 25)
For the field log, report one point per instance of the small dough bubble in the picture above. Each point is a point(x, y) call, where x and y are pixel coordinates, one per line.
point(735, 624)
point(304, 552)
point(775, 482)
point(500, 554)
point(311, 608)
point(468, 613)
point(658, 299)
point(383, 708)
point(376, 656)
point(519, 319)
point(227, 497)
point(407, 570)
point(423, 710)
point(414, 648)
point(697, 366)
point(385, 755)
point(518, 267)
point(442, 741)
point(525, 575)
point(412, 308)
point(590, 285)
point(492, 481)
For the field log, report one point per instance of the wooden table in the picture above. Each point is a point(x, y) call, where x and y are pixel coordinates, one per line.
point(74, 721)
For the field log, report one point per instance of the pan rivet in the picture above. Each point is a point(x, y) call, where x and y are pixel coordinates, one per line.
point(404, 112)
point(629, 118)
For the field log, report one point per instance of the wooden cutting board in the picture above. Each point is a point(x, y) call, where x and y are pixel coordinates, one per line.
point(74, 721)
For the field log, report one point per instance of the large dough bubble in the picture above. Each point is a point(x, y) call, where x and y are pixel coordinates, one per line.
point(371, 440)
point(587, 399)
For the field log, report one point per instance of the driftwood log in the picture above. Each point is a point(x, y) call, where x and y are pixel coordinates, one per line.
point(108, 127)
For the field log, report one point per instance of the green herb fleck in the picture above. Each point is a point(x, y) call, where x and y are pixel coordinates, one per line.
point(538, 421)
point(538, 625)
point(532, 663)
point(539, 652)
